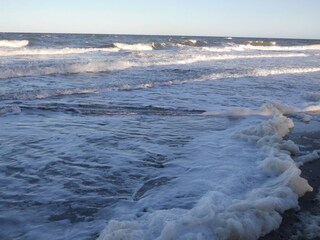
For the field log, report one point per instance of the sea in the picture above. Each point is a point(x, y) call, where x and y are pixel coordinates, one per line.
point(151, 137)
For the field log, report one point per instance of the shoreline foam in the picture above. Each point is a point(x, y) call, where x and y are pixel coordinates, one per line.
point(294, 221)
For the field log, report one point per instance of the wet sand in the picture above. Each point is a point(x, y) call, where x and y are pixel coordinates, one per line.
point(307, 136)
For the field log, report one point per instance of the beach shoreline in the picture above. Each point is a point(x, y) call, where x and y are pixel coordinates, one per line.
point(307, 137)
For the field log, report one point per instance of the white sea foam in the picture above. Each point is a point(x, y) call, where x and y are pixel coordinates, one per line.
point(239, 48)
point(254, 73)
point(283, 48)
point(191, 42)
point(279, 71)
point(314, 108)
point(268, 109)
point(100, 66)
point(215, 216)
point(134, 47)
point(259, 43)
point(204, 58)
point(52, 51)
point(65, 68)
point(13, 43)
point(47, 93)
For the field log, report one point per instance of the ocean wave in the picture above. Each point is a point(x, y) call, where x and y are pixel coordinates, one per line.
point(42, 94)
point(259, 43)
point(241, 48)
point(67, 51)
point(143, 46)
point(159, 46)
point(203, 58)
point(250, 216)
point(192, 43)
point(280, 71)
point(64, 68)
point(15, 48)
point(47, 93)
point(13, 43)
point(254, 73)
point(102, 109)
point(101, 66)
point(134, 47)
point(314, 47)
point(53, 51)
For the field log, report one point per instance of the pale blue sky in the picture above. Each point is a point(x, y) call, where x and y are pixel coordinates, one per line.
point(252, 18)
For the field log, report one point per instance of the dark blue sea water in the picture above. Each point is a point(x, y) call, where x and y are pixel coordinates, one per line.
point(150, 137)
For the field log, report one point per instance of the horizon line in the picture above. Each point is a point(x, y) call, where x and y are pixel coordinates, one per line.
point(164, 35)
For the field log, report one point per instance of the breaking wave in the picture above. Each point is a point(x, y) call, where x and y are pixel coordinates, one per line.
point(16, 47)
point(264, 72)
point(13, 43)
point(215, 216)
point(53, 51)
point(101, 66)
point(239, 48)
point(105, 109)
point(259, 43)
point(134, 47)
point(314, 47)
point(65, 68)
point(41, 94)
point(254, 73)
point(192, 43)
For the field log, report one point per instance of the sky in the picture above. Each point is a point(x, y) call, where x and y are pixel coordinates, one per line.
point(236, 18)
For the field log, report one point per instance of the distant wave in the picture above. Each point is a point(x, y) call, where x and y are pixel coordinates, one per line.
point(13, 43)
point(204, 58)
point(47, 93)
point(16, 47)
point(106, 109)
point(285, 48)
point(192, 42)
point(141, 47)
point(37, 69)
point(242, 47)
point(259, 43)
point(158, 45)
point(254, 73)
point(134, 47)
point(64, 68)
point(67, 51)
point(52, 51)
point(268, 72)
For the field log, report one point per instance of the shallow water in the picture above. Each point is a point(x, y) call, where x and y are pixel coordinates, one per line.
point(146, 129)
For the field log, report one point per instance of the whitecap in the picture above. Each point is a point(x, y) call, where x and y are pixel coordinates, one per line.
point(134, 47)
point(13, 43)
point(53, 51)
